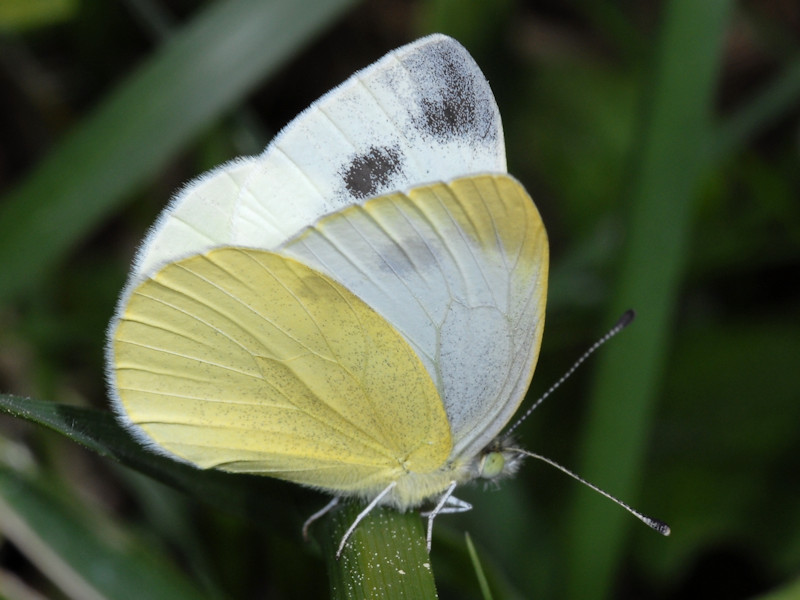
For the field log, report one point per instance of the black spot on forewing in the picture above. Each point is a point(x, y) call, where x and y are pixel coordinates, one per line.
point(367, 174)
point(457, 101)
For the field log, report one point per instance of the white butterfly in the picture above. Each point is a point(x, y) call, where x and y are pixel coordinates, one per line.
point(358, 309)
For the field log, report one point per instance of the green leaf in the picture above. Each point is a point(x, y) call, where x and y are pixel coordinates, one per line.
point(99, 431)
point(28, 14)
point(202, 72)
point(790, 591)
point(76, 550)
point(476, 564)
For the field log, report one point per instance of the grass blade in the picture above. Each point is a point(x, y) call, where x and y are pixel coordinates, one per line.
point(204, 70)
point(676, 130)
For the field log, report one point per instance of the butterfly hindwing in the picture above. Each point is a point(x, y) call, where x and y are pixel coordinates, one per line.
point(250, 361)
point(459, 269)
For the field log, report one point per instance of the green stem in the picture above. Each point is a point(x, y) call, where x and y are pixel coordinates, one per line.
point(385, 557)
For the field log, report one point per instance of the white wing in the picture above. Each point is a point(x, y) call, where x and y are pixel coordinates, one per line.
point(197, 219)
point(423, 112)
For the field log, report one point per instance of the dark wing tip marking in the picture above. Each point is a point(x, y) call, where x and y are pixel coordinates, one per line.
point(462, 105)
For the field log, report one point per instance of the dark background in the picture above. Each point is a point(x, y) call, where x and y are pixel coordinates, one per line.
point(709, 441)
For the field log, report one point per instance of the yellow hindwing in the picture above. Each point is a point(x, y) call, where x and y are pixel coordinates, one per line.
point(250, 361)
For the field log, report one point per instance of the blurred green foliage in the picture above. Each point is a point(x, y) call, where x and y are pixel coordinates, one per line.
point(19, 15)
point(660, 141)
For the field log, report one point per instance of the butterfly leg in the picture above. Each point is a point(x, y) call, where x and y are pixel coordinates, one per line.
point(362, 515)
point(320, 513)
point(447, 504)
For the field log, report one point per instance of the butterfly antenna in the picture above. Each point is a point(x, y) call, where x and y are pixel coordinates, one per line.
point(621, 324)
point(654, 524)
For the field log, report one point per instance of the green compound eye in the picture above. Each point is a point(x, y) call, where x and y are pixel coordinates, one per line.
point(492, 465)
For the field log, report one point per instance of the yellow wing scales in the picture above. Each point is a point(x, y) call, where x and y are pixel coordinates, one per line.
point(251, 361)
point(460, 269)
point(391, 341)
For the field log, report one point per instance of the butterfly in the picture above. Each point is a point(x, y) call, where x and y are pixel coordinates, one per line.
point(358, 309)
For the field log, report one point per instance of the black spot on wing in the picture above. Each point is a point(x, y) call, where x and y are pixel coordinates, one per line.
point(368, 173)
point(458, 102)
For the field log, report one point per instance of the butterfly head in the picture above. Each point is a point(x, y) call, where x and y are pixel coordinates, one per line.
point(498, 460)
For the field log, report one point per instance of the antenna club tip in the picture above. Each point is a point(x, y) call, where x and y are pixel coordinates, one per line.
point(627, 318)
point(659, 526)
